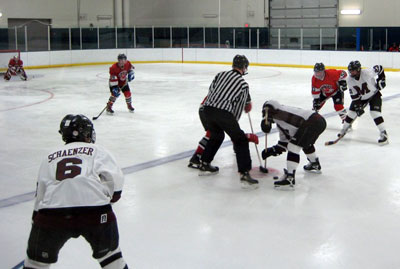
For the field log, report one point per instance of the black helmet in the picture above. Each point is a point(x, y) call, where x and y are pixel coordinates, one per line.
point(354, 66)
point(318, 67)
point(240, 62)
point(77, 128)
point(121, 56)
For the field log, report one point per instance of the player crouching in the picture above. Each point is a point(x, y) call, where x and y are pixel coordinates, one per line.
point(15, 67)
point(120, 74)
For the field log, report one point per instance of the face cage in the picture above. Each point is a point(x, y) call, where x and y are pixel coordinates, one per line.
point(354, 73)
point(319, 75)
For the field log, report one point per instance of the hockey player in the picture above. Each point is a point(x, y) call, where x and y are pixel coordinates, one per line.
point(194, 161)
point(120, 74)
point(365, 89)
point(76, 186)
point(15, 67)
point(298, 129)
point(327, 83)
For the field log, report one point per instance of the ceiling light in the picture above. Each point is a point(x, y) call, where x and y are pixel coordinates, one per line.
point(350, 12)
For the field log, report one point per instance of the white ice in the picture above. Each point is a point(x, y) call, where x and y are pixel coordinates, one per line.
point(169, 217)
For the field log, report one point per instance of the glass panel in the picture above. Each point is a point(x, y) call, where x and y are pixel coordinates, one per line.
point(107, 38)
point(59, 39)
point(226, 35)
point(196, 37)
point(328, 38)
point(89, 38)
point(264, 38)
point(162, 37)
point(311, 39)
point(242, 38)
point(7, 40)
point(347, 38)
point(21, 38)
point(253, 38)
point(274, 38)
point(211, 37)
point(37, 35)
point(379, 39)
point(126, 37)
point(290, 38)
point(144, 37)
point(75, 39)
point(365, 37)
point(393, 36)
point(179, 37)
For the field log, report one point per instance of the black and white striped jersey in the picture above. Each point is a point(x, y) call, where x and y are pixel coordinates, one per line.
point(229, 91)
point(287, 118)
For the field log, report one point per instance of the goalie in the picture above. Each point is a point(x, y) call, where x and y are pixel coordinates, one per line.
point(15, 67)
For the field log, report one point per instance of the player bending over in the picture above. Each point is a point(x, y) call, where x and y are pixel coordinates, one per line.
point(298, 129)
point(15, 67)
point(327, 83)
point(365, 89)
point(120, 74)
point(76, 185)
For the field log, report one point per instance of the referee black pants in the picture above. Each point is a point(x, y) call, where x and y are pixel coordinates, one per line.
point(220, 121)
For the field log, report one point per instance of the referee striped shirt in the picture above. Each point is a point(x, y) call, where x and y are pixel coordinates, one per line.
point(229, 91)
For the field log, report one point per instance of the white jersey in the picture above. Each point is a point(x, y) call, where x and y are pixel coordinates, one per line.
point(288, 119)
point(77, 174)
point(365, 87)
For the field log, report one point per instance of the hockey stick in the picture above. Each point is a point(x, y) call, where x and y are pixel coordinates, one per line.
point(266, 144)
point(328, 143)
point(262, 169)
point(95, 118)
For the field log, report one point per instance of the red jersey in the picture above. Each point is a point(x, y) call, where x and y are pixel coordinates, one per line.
point(15, 63)
point(118, 75)
point(329, 85)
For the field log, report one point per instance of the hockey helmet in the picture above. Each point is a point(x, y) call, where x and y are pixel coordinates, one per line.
point(319, 71)
point(354, 68)
point(240, 62)
point(77, 128)
point(121, 56)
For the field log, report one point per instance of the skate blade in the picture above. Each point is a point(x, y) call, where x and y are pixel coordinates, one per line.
point(207, 173)
point(193, 166)
point(248, 186)
point(284, 188)
point(384, 143)
point(132, 111)
point(109, 113)
point(313, 171)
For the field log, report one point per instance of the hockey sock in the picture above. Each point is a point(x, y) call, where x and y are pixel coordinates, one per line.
point(342, 113)
point(312, 157)
point(128, 97)
point(378, 119)
point(113, 260)
point(112, 99)
point(203, 143)
point(293, 158)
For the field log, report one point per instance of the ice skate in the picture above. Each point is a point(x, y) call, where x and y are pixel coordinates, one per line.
point(194, 162)
point(130, 107)
point(109, 110)
point(207, 169)
point(383, 139)
point(247, 181)
point(286, 182)
point(314, 167)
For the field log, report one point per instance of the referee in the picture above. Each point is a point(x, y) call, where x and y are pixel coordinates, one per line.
point(228, 96)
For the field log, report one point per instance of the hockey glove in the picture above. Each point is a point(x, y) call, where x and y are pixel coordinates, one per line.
point(131, 75)
point(247, 107)
point(276, 150)
point(266, 128)
point(252, 138)
point(381, 84)
point(115, 91)
point(342, 85)
point(358, 107)
point(317, 104)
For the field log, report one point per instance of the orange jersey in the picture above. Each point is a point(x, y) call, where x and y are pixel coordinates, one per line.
point(118, 75)
point(329, 85)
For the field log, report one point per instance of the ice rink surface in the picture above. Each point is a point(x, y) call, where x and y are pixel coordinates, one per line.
point(169, 217)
